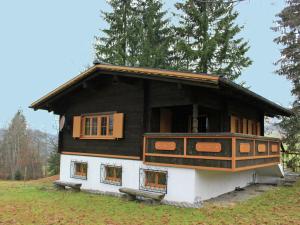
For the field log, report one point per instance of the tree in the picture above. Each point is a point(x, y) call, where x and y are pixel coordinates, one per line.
point(288, 25)
point(15, 144)
point(207, 39)
point(54, 158)
point(141, 36)
point(155, 36)
point(113, 46)
point(20, 157)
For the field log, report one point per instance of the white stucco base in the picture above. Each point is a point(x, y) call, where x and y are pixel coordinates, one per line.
point(183, 185)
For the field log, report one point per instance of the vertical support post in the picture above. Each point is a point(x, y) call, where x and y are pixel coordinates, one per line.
point(184, 146)
point(195, 118)
point(144, 148)
point(233, 154)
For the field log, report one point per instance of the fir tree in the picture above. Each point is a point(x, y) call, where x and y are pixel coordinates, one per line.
point(156, 35)
point(207, 39)
point(112, 47)
point(138, 34)
point(54, 163)
point(288, 24)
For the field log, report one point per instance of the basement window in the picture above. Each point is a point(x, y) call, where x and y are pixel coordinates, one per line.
point(111, 174)
point(153, 180)
point(79, 170)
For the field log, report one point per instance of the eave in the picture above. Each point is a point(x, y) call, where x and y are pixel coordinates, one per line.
point(193, 79)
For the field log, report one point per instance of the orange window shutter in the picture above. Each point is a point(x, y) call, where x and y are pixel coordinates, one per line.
point(118, 125)
point(76, 126)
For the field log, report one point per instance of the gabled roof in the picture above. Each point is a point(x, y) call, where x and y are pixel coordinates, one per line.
point(167, 75)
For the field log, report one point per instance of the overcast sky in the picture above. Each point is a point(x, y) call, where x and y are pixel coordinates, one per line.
point(45, 43)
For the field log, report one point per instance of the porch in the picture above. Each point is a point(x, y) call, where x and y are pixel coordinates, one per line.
point(221, 151)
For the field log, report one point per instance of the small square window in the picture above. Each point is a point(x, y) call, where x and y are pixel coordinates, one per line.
point(111, 174)
point(153, 180)
point(79, 170)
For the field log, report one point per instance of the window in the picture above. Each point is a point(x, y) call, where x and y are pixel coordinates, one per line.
point(111, 174)
point(153, 180)
point(90, 126)
point(79, 170)
point(98, 126)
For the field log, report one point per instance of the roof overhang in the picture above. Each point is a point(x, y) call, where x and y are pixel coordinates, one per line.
point(194, 79)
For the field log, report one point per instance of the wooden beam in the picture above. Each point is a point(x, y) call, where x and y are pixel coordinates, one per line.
point(195, 119)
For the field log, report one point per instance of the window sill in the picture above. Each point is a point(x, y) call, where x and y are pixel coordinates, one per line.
point(96, 138)
point(116, 183)
point(155, 189)
point(79, 177)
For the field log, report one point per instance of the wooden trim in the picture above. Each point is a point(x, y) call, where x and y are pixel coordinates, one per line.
point(165, 145)
point(254, 147)
point(199, 137)
point(189, 167)
point(245, 147)
point(102, 155)
point(208, 147)
point(184, 146)
point(189, 156)
point(97, 138)
point(233, 162)
point(144, 148)
point(257, 157)
point(256, 166)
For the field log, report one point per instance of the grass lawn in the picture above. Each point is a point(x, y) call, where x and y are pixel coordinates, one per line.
point(36, 202)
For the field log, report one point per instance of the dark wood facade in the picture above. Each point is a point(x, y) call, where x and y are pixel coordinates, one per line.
point(160, 113)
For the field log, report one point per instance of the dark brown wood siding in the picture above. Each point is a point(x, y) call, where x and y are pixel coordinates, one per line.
point(124, 96)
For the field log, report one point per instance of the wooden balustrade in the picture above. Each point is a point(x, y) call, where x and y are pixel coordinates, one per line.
point(211, 151)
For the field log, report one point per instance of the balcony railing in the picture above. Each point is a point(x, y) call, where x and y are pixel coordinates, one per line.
point(211, 151)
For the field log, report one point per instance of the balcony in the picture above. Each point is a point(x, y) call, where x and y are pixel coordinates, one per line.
point(211, 151)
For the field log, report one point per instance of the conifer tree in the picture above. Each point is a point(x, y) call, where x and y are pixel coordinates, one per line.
point(112, 47)
point(288, 25)
point(156, 35)
point(207, 39)
point(138, 34)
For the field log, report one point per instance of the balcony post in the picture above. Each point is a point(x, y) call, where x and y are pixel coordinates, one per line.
point(195, 118)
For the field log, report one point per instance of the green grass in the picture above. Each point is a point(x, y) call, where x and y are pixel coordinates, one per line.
point(38, 203)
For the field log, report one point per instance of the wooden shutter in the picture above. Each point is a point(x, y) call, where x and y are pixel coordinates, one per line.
point(118, 125)
point(258, 129)
point(250, 126)
point(244, 126)
point(76, 126)
point(232, 124)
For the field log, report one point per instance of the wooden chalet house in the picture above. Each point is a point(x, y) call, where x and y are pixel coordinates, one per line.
point(190, 136)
